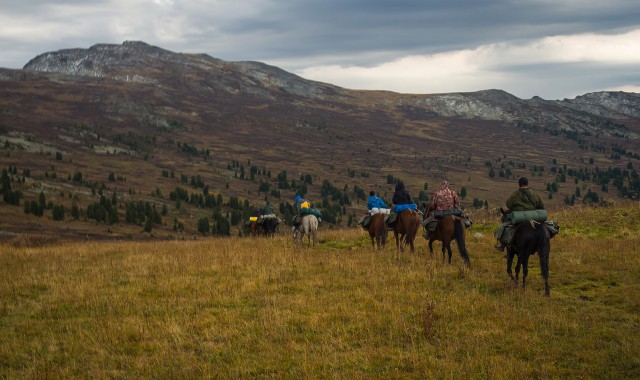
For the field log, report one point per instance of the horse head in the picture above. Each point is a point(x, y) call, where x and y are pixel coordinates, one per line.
point(504, 214)
point(427, 210)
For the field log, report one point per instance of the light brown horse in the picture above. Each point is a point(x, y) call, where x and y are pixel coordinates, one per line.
point(449, 228)
point(378, 231)
point(308, 226)
point(406, 228)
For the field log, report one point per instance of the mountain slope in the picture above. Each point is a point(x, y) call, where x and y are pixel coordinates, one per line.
point(125, 116)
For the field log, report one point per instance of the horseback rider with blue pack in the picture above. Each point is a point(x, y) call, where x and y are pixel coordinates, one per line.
point(401, 201)
point(523, 199)
point(375, 204)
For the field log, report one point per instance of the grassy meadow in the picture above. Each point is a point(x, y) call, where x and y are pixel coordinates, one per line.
point(264, 308)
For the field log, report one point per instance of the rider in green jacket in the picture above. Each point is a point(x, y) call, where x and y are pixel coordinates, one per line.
point(523, 199)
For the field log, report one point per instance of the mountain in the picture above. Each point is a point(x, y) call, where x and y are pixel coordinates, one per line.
point(147, 124)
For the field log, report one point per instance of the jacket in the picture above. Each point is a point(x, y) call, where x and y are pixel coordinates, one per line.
point(445, 198)
point(375, 201)
point(401, 195)
point(524, 199)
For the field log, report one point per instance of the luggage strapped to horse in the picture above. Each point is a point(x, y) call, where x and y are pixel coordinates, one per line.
point(515, 218)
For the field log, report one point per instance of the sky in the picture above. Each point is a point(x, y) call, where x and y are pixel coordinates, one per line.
point(554, 49)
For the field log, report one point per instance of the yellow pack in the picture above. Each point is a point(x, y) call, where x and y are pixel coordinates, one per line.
point(253, 218)
point(305, 204)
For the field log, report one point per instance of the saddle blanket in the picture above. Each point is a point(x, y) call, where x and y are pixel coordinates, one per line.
point(399, 208)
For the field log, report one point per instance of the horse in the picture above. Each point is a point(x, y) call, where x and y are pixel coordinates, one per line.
point(308, 226)
point(254, 228)
point(378, 231)
point(529, 237)
point(406, 228)
point(449, 228)
point(269, 226)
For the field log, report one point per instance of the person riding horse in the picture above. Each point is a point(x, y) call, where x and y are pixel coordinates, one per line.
point(523, 199)
point(304, 207)
point(443, 200)
point(267, 211)
point(401, 196)
point(404, 224)
point(376, 205)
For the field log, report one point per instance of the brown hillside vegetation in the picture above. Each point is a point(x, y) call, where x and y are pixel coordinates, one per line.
point(139, 123)
point(256, 307)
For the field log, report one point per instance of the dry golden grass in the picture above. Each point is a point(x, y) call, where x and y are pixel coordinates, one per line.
point(254, 307)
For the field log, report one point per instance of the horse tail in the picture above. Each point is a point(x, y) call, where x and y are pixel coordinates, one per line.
point(458, 233)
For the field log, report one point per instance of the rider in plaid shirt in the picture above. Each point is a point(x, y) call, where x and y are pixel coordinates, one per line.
point(445, 198)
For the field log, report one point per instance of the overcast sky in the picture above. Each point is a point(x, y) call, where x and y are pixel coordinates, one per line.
point(551, 48)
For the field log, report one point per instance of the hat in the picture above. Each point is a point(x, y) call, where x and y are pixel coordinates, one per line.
point(297, 198)
point(372, 193)
point(523, 181)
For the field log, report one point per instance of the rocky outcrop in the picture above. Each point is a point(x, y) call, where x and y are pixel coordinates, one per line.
point(138, 62)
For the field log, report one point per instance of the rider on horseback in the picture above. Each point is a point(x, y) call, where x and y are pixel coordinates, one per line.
point(304, 207)
point(376, 205)
point(523, 199)
point(267, 211)
point(443, 200)
point(401, 201)
point(401, 195)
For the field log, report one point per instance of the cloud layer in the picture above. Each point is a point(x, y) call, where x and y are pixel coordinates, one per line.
point(553, 49)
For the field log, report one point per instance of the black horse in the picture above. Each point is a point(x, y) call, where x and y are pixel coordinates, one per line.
point(529, 237)
point(269, 226)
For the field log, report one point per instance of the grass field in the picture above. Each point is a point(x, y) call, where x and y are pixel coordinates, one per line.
point(264, 308)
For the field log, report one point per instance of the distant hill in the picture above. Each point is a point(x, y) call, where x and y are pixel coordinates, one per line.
point(151, 125)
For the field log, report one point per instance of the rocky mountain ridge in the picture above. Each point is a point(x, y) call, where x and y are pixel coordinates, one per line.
point(136, 61)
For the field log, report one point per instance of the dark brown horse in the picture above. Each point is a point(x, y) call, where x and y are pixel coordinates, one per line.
point(449, 228)
point(529, 237)
point(406, 228)
point(254, 228)
point(378, 231)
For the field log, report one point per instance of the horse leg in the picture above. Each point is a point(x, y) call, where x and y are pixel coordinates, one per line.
point(449, 250)
point(544, 269)
point(395, 235)
point(444, 248)
point(518, 264)
point(525, 270)
point(510, 255)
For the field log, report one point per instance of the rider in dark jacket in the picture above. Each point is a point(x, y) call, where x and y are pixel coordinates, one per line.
point(401, 195)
